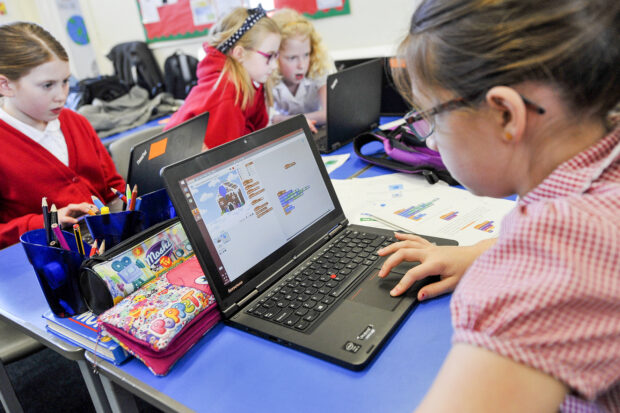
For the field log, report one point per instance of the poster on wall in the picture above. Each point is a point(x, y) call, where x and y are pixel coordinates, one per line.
point(81, 50)
point(165, 20)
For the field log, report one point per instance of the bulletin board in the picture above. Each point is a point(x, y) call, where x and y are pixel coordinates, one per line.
point(183, 19)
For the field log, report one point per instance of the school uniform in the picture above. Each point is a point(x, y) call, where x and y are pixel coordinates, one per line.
point(305, 100)
point(227, 121)
point(547, 294)
point(29, 171)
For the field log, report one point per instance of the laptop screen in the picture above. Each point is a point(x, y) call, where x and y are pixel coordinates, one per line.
point(249, 206)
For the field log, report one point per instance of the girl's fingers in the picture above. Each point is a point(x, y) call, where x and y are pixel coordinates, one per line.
point(443, 286)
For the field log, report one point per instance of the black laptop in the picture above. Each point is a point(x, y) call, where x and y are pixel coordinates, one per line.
point(148, 157)
point(353, 104)
point(279, 254)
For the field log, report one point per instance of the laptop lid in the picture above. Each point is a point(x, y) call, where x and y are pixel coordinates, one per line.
point(148, 157)
point(353, 102)
point(252, 208)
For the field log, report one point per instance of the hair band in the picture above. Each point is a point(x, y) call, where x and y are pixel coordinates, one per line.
point(254, 15)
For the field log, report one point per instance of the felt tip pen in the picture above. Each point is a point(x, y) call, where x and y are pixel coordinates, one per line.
point(60, 237)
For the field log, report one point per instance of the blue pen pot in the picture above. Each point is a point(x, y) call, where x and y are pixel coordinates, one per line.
point(57, 270)
point(156, 206)
point(114, 227)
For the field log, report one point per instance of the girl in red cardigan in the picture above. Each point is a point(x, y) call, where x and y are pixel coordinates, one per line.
point(241, 54)
point(47, 150)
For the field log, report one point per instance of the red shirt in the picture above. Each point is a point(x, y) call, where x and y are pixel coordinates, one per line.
point(28, 172)
point(227, 121)
point(547, 294)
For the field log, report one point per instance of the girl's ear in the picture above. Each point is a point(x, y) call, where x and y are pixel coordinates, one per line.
point(511, 111)
point(6, 86)
point(238, 53)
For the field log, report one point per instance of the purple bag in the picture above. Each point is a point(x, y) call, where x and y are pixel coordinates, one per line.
point(404, 153)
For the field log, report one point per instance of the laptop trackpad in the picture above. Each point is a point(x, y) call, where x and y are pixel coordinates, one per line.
point(375, 291)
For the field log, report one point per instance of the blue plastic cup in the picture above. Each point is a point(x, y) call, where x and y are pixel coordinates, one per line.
point(58, 271)
point(114, 227)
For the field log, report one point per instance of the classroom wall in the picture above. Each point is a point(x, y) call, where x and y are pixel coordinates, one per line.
point(372, 29)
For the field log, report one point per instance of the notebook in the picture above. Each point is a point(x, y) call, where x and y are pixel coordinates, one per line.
point(353, 104)
point(280, 257)
point(148, 157)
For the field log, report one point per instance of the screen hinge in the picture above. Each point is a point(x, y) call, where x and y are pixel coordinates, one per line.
point(336, 229)
point(233, 308)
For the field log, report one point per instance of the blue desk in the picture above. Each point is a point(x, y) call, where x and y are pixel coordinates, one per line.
point(229, 370)
point(21, 305)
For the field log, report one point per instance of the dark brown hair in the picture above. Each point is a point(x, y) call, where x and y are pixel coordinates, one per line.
point(469, 46)
point(24, 46)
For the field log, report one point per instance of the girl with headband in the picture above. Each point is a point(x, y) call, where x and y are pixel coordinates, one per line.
point(241, 53)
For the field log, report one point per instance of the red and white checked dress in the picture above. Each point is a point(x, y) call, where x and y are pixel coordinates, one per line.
point(548, 293)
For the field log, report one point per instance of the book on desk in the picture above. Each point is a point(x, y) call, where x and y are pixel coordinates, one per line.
point(82, 330)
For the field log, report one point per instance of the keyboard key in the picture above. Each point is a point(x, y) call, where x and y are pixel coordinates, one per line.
point(302, 325)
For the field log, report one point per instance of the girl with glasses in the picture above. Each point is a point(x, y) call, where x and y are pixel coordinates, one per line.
point(241, 53)
point(302, 71)
point(514, 95)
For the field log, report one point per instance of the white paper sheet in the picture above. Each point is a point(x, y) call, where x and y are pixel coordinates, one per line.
point(358, 195)
point(446, 212)
point(334, 162)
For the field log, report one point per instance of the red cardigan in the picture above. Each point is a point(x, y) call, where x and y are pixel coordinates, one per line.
point(227, 121)
point(29, 172)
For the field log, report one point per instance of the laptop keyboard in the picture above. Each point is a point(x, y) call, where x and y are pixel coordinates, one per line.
point(301, 297)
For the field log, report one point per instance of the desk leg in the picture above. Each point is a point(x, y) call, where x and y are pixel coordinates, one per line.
point(7, 394)
point(95, 388)
point(121, 401)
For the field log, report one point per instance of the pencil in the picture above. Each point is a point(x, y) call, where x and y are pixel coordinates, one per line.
point(128, 195)
point(93, 249)
point(46, 221)
point(119, 194)
point(53, 220)
point(101, 249)
point(78, 239)
point(53, 215)
point(97, 202)
point(60, 237)
point(134, 195)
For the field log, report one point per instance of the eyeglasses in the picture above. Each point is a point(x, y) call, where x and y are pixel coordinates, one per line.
point(269, 56)
point(422, 124)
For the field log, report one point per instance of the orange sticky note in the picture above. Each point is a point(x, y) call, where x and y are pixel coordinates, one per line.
point(158, 148)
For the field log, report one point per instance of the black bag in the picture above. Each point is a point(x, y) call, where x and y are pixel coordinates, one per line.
point(404, 153)
point(105, 88)
point(134, 64)
point(180, 74)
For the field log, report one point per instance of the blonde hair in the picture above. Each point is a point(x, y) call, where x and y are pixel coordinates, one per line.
point(292, 24)
point(468, 47)
point(24, 46)
point(237, 74)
